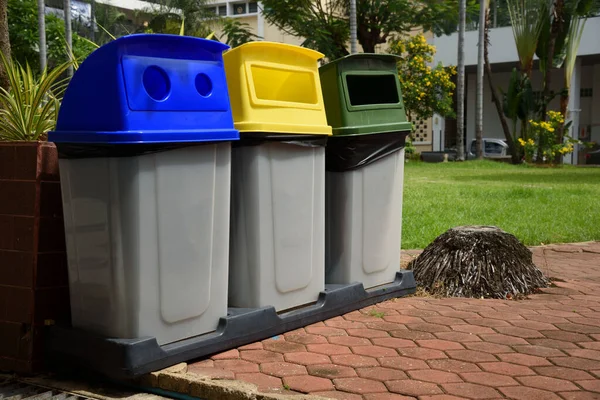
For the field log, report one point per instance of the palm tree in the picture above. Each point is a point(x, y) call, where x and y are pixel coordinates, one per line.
point(68, 30)
point(42, 34)
point(484, 4)
point(460, 81)
point(352, 26)
point(4, 43)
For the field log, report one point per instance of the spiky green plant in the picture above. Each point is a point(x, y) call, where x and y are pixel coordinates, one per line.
point(527, 19)
point(29, 109)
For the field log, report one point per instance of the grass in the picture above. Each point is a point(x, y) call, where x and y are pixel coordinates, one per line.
point(538, 205)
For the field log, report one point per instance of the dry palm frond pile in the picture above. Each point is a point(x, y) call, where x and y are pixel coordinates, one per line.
point(478, 261)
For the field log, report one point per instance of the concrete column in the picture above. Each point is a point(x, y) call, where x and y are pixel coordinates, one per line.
point(471, 94)
point(574, 109)
point(595, 121)
point(260, 22)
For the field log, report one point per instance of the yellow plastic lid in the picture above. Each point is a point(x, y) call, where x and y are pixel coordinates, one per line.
point(275, 88)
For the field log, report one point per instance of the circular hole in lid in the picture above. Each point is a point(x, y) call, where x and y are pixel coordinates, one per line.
point(157, 83)
point(203, 85)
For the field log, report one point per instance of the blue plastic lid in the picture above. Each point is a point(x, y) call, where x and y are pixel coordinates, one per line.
point(148, 88)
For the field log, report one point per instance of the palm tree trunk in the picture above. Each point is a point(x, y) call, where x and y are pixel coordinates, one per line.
point(4, 42)
point(68, 30)
point(42, 33)
point(352, 26)
point(460, 117)
point(514, 152)
point(480, 73)
point(93, 20)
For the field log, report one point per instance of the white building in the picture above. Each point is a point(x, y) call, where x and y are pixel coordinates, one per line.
point(584, 105)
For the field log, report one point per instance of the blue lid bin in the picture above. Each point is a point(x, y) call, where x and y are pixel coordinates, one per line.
point(144, 136)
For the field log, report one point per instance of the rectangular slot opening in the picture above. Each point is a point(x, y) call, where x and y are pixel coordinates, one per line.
point(365, 90)
point(284, 85)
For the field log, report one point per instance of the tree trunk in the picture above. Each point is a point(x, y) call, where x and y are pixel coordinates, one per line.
point(4, 43)
point(68, 31)
point(557, 25)
point(460, 117)
point(42, 34)
point(352, 26)
point(496, 98)
point(93, 21)
point(480, 73)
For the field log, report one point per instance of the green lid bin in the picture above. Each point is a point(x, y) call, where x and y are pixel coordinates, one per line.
point(365, 169)
point(362, 95)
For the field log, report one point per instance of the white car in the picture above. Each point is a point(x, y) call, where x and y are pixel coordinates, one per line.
point(492, 148)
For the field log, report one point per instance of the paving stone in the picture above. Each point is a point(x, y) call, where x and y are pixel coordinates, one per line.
point(394, 343)
point(488, 379)
point(374, 351)
point(577, 363)
point(426, 327)
point(367, 333)
point(413, 388)
point(359, 385)
point(403, 363)
point(492, 348)
point(411, 335)
point(578, 328)
point(458, 337)
point(306, 358)
point(448, 321)
point(590, 345)
point(573, 337)
point(260, 356)
point(527, 393)
point(434, 376)
point(453, 366)
point(252, 346)
point(331, 371)
point(381, 374)
point(354, 360)
point(228, 355)
point(386, 396)
point(563, 373)
point(584, 353)
point(344, 324)
point(502, 339)
point(471, 390)
point(328, 349)
point(422, 354)
point(547, 383)
point(236, 366)
point(540, 351)
point(307, 384)
point(580, 395)
point(487, 322)
point(281, 369)
point(519, 332)
point(439, 344)
point(591, 385)
point(470, 356)
point(338, 395)
point(282, 346)
point(553, 343)
point(265, 383)
point(306, 338)
point(472, 329)
point(403, 319)
point(535, 325)
point(326, 331)
point(524, 359)
point(460, 314)
point(441, 397)
point(505, 368)
point(349, 341)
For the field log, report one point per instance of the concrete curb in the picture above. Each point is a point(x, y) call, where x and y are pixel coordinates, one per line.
point(177, 379)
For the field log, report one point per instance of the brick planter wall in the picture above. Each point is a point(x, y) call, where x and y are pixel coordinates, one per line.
point(34, 288)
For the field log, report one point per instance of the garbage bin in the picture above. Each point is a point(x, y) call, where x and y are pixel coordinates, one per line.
point(365, 169)
point(144, 136)
point(277, 247)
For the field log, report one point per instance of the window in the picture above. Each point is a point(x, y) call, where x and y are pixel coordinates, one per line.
point(222, 11)
point(493, 148)
point(239, 8)
point(586, 92)
point(252, 7)
point(474, 147)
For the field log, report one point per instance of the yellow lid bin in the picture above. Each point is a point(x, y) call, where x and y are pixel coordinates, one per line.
point(275, 88)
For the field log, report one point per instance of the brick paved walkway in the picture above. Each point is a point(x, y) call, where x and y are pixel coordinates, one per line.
point(546, 347)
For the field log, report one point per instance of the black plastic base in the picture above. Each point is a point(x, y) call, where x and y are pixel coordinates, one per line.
point(130, 358)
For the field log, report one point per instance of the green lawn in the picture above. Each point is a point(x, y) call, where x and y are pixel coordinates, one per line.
point(538, 205)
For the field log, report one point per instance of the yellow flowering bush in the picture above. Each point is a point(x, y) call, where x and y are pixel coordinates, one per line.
point(544, 137)
point(426, 89)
